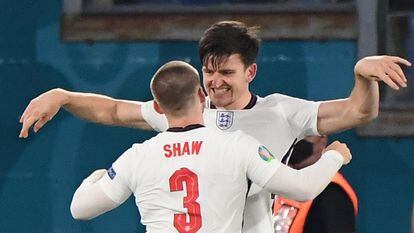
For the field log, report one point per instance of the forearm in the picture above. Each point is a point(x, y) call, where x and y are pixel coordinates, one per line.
point(307, 183)
point(103, 109)
point(364, 100)
point(90, 107)
point(359, 108)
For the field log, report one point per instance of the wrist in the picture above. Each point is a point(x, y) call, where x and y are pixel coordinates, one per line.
point(62, 96)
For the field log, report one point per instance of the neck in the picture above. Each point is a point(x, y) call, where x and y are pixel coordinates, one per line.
point(193, 117)
point(241, 103)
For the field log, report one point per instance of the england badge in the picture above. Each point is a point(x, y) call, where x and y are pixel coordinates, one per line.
point(224, 119)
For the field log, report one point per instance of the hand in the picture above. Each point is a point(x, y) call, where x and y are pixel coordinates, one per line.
point(41, 110)
point(342, 148)
point(383, 68)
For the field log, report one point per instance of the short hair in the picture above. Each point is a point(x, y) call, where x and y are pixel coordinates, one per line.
point(174, 86)
point(225, 38)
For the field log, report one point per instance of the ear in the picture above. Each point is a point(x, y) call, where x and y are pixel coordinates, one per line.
point(324, 140)
point(251, 72)
point(201, 95)
point(157, 107)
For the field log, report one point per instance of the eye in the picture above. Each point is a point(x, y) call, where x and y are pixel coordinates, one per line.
point(207, 71)
point(227, 72)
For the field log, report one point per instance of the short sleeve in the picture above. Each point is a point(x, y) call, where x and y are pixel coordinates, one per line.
point(260, 163)
point(117, 182)
point(301, 114)
point(157, 121)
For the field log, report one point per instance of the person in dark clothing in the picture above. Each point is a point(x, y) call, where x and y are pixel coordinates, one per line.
point(333, 211)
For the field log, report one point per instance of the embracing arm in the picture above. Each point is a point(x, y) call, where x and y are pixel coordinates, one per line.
point(105, 190)
point(362, 105)
point(91, 107)
point(89, 200)
point(309, 182)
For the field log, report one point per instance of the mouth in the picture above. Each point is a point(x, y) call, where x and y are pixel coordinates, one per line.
point(221, 90)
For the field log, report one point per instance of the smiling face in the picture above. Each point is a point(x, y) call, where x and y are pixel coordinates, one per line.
point(227, 84)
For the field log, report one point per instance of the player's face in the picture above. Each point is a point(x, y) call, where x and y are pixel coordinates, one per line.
point(228, 85)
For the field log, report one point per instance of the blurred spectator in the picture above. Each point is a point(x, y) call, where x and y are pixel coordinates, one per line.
point(333, 211)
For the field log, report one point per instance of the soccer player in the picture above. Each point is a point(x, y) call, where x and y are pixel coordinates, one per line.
point(192, 178)
point(228, 52)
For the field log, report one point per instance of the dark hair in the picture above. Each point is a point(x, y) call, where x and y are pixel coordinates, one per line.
point(301, 151)
point(225, 38)
point(174, 86)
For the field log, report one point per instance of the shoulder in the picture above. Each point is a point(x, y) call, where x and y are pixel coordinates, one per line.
point(127, 161)
point(290, 105)
point(242, 140)
point(133, 152)
point(228, 138)
point(276, 99)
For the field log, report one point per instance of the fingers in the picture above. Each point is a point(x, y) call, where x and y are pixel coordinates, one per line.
point(25, 113)
point(39, 111)
point(21, 118)
point(399, 71)
point(348, 156)
point(27, 123)
point(386, 79)
point(399, 60)
point(397, 78)
point(343, 149)
point(391, 73)
point(337, 143)
point(394, 71)
point(40, 123)
point(384, 68)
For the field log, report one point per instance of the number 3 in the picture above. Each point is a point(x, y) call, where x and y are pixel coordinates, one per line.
point(184, 175)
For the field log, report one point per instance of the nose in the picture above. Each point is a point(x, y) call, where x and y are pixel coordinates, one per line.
point(216, 80)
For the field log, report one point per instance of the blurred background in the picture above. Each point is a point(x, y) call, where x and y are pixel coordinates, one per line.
point(113, 47)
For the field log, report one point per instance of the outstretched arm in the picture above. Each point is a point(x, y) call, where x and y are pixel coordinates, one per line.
point(91, 107)
point(362, 105)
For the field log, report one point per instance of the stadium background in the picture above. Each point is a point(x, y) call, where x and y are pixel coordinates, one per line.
point(38, 175)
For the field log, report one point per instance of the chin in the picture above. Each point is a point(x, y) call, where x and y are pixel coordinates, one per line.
point(219, 104)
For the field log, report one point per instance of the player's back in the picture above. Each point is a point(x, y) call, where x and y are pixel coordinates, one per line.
point(190, 181)
point(276, 120)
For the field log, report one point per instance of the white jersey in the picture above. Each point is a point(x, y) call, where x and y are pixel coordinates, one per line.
point(276, 120)
point(195, 180)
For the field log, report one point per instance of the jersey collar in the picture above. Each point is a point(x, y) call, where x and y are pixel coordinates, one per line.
point(186, 128)
point(252, 102)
